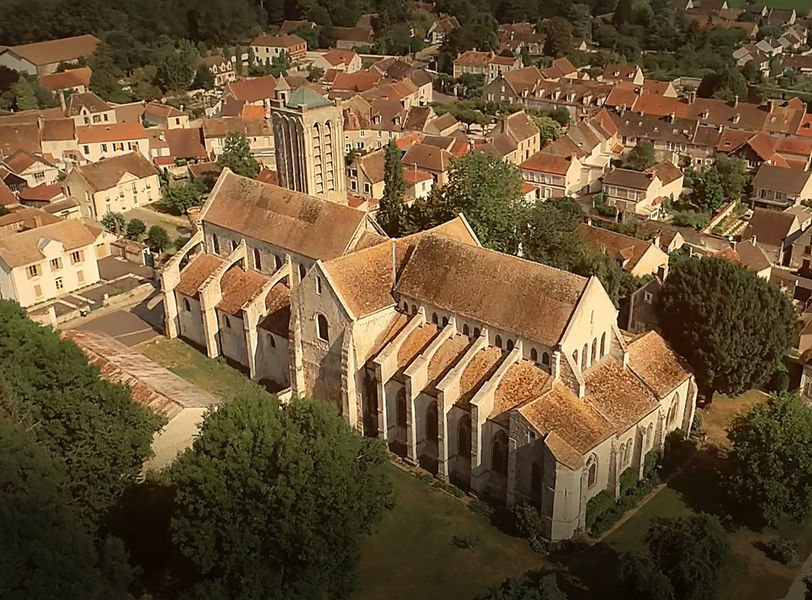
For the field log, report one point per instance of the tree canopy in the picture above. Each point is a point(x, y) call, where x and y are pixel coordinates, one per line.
point(641, 157)
point(237, 155)
point(772, 458)
point(47, 550)
point(690, 551)
point(732, 326)
point(524, 588)
point(273, 500)
point(642, 579)
point(89, 425)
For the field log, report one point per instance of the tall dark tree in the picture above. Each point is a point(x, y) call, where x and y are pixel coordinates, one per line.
point(690, 551)
point(47, 551)
point(558, 36)
point(708, 194)
point(237, 155)
point(89, 425)
point(772, 459)
point(524, 588)
point(732, 326)
point(641, 157)
point(392, 216)
point(642, 579)
point(273, 500)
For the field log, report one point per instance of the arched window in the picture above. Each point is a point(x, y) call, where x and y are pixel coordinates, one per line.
point(465, 329)
point(431, 422)
point(545, 359)
point(271, 340)
point(445, 321)
point(257, 259)
point(322, 330)
point(510, 344)
point(535, 480)
point(650, 435)
point(406, 307)
point(401, 408)
point(499, 453)
point(186, 306)
point(215, 242)
point(672, 412)
point(277, 262)
point(585, 357)
point(228, 323)
point(464, 437)
point(621, 453)
point(498, 341)
point(414, 309)
point(627, 455)
point(595, 350)
point(477, 332)
point(302, 272)
point(591, 471)
point(604, 348)
point(534, 355)
point(434, 318)
point(575, 357)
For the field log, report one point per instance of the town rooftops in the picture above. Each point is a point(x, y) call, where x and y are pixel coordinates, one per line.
point(492, 288)
point(336, 56)
point(106, 173)
point(629, 250)
point(545, 162)
point(56, 51)
point(309, 226)
point(86, 100)
point(628, 178)
point(70, 78)
point(790, 181)
point(430, 158)
point(770, 227)
point(254, 89)
point(25, 248)
point(653, 360)
point(25, 219)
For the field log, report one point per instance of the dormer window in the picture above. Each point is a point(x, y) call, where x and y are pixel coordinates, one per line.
point(376, 119)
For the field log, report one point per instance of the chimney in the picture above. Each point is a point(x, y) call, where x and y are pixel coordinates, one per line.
point(691, 96)
point(671, 117)
point(62, 101)
point(37, 221)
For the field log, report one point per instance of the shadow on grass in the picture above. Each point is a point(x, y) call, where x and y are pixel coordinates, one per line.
point(141, 519)
point(591, 574)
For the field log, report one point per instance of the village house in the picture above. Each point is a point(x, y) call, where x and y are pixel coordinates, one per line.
point(257, 91)
point(116, 184)
point(514, 138)
point(41, 58)
point(268, 47)
point(614, 73)
point(165, 116)
point(433, 160)
point(553, 174)
point(636, 256)
point(750, 255)
point(59, 140)
point(221, 68)
point(349, 38)
point(440, 28)
point(88, 109)
point(75, 81)
point(487, 64)
point(343, 61)
point(35, 169)
point(42, 263)
point(779, 188)
point(96, 142)
point(775, 231)
point(638, 193)
point(258, 132)
point(365, 179)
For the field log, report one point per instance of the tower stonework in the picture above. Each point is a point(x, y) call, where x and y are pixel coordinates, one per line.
point(308, 137)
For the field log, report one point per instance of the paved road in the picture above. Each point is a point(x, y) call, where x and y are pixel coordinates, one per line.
point(131, 326)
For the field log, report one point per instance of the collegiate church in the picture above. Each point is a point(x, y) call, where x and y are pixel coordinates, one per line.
point(504, 376)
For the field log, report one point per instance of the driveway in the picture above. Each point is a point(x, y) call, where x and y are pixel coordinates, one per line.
point(131, 326)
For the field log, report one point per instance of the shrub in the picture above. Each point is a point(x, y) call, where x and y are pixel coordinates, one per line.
point(135, 229)
point(782, 550)
point(481, 508)
point(597, 505)
point(464, 541)
point(650, 463)
point(628, 481)
point(697, 426)
point(528, 524)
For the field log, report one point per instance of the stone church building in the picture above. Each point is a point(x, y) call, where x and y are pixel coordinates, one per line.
point(504, 376)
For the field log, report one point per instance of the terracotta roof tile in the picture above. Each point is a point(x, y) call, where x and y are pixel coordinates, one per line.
point(523, 381)
point(445, 357)
point(106, 173)
point(656, 364)
point(277, 303)
point(70, 78)
point(415, 343)
point(24, 248)
point(238, 287)
point(199, 269)
point(617, 394)
point(479, 369)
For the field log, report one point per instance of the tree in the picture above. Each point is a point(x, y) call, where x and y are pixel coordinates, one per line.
point(203, 78)
point(89, 425)
point(708, 194)
point(730, 325)
point(641, 157)
point(392, 216)
point(47, 551)
point(105, 78)
point(550, 235)
point(237, 156)
point(558, 36)
point(690, 551)
point(642, 579)
point(4, 210)
point(732, 176)
point(179, 198)
point(176, 66)
point(772, 458)
point(487, 190)
point(725, 83)
point(25, 99)
point(158, 238)
point(135, 229)
point(751, 72)
point(273, 499)
point(113, 222)
point(523, 588)
point(314, 73)
point(280, 64)
point(549, 128)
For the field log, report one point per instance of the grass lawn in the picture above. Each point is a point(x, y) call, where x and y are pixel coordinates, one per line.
point(411, 554)
point(748, 573)
point(214, 376)
point(175, 226)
